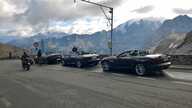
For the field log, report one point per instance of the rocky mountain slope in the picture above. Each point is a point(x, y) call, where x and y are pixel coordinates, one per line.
point(176, 44)
point(180, 24)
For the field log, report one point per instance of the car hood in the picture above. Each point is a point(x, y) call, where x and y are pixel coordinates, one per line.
point(154, 55)
point(89, 55)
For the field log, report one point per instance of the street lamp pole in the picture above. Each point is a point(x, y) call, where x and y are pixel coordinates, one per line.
point(110, 20)
point(111, 40)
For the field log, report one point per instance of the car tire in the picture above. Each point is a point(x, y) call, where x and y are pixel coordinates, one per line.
point(140, 69)
point(28, 68)
point(79, 64)
point(105, 66)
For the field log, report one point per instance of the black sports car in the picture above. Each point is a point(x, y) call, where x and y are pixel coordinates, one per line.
point(140, 62)
point(80, 60)
point(51, 59)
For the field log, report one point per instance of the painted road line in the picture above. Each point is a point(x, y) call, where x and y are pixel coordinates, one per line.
point(146, 78)
point(184, 83)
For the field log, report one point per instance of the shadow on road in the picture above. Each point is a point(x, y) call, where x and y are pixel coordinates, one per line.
point(159, 74)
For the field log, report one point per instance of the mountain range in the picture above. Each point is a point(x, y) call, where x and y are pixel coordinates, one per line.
point(138, 34)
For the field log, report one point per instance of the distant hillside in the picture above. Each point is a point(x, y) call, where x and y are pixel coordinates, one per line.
point(176, 44)
point(5, 49)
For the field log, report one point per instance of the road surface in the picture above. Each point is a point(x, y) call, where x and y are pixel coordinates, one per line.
point(55, 86)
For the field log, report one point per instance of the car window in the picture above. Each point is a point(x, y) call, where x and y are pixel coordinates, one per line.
point(143, 53)
point(134, 53)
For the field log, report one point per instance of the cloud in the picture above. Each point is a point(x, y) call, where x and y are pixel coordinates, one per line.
point(144, 9)
point(46, 10)
point(182, 11)
point(38, 14)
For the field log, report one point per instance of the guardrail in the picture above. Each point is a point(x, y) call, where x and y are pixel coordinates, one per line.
point(181, 59)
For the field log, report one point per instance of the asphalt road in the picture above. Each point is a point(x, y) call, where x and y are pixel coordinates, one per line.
point(55, 86)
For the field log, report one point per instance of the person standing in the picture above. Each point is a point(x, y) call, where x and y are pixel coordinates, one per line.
point(10, 55)
point(39, 54)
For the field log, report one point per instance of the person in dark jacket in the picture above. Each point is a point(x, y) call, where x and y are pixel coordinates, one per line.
point(75, 51)
point(24, 57)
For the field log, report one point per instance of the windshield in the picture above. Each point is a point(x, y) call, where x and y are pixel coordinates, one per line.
point(134, 53)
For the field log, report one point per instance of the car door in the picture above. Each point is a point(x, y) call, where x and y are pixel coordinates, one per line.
point(73, 58)
point(125, 62)
point(66, 59)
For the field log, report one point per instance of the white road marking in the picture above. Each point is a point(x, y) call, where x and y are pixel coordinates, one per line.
point(116, 74)
point(146, 78)
point(5, 102)
point(184, 83)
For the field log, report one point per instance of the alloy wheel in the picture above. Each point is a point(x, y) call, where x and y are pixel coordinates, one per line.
point(140, 69)
point(79, 64)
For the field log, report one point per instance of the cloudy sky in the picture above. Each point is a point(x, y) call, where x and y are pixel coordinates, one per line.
point(27, 17)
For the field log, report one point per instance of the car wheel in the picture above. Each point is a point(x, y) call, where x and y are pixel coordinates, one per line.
point(79, 64)
point(140, 69)
point(105, 66)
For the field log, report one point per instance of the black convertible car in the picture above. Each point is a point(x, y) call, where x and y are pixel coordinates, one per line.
point(140, 62)
point(51, 59)
point(80, 60)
